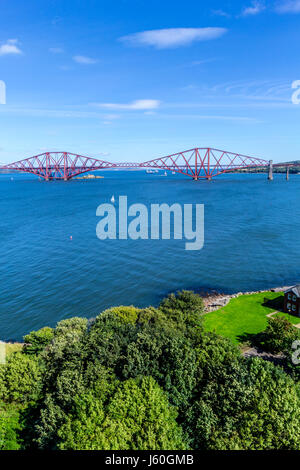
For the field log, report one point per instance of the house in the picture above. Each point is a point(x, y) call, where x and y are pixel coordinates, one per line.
point(292, 300)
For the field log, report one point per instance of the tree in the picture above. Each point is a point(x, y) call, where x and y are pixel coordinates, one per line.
point(137, 416)
point(3, 387)
point(22, 377)
point(168, 357)
point(64, 355)
point(279, 335)
point(184, 307)
point(9, 427)
point(252, 405)
point(126, 314)
point(36, 341)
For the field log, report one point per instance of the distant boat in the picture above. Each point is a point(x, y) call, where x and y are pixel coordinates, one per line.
point(113, 199)
point(173, 173)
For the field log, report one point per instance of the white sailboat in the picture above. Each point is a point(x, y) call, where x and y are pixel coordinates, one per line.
point(113, 199)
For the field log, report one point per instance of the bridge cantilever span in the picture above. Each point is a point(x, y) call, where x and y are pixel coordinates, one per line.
point(197, 163)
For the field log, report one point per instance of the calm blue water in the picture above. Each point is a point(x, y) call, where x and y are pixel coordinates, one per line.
point(252, 229)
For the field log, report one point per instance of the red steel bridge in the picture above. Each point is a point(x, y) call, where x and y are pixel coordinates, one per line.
point(197, 163)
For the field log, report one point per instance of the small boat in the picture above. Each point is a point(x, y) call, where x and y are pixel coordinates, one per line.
point(113, 199)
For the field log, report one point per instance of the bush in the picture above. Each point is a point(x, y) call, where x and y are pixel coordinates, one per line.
point(22, 376)
point(279, 335)
point(185, 307)
point(36, 341)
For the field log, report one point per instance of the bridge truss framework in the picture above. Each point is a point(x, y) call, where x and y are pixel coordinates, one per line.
point(197, 163)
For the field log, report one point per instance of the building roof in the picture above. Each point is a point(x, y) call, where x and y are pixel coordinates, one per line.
point(295, 290)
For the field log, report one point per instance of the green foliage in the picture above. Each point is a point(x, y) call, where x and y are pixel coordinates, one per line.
point(71, 329)
point(9, 427)
point(126, 314)
point(165, 355)
point(249, 405)
point(146, 379)
point(3, 387)
point(22, 378)
point(36, 341)
point(243, 316)
point(185, 307)
point(137, 416)
point(279, 335)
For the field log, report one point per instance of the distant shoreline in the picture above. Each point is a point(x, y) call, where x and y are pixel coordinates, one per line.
point(213, 300)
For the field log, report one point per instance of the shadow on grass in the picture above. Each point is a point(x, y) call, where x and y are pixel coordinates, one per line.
point(275, 304)
point(253, 339)
point(257, 339)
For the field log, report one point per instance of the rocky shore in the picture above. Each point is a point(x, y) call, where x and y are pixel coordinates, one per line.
point(215, 300)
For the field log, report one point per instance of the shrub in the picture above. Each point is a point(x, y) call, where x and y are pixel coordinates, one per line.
point(36, 341)
point(279, 335)
point(22, 377)
point(184, 307)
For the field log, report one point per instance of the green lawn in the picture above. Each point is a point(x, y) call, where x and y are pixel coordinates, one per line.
point(244, 315)
point(292, 318)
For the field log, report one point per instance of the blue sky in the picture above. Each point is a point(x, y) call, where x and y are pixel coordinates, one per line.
point(135, 80)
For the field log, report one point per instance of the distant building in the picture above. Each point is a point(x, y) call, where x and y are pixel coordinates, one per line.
point(292, 300)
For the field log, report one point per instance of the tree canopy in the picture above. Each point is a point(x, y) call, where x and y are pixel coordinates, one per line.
point(144, 379)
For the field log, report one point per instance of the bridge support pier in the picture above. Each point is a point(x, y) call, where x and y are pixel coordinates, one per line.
point(287, 173)
point(270, 176)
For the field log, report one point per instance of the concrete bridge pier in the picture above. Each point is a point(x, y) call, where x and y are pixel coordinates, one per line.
point(287, 173)
point(270, 176)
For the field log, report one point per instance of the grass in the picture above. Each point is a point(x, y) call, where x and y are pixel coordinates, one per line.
point(13, 347)
point(244, 316)
point(292, 318)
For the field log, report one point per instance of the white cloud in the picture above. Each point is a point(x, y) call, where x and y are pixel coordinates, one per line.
point(173, 37)
point(221, 13)
point(81, 59)
point(288, 6)
point(10, 47)
point(56, 50)
point(133, 106)
point(254, 9)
